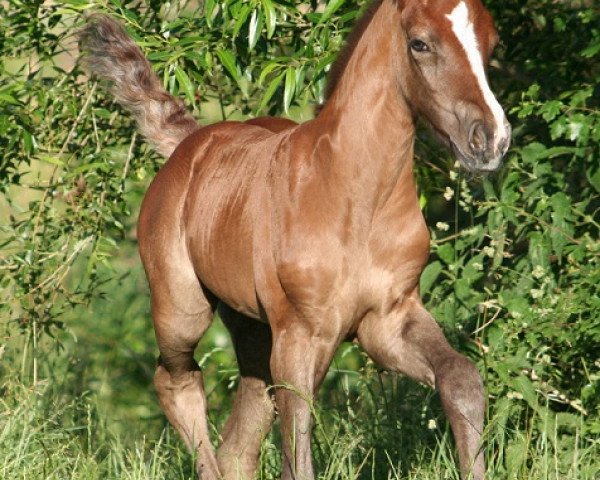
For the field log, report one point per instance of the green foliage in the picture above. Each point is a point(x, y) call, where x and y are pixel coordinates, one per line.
point(514, 276)
point(521, 272)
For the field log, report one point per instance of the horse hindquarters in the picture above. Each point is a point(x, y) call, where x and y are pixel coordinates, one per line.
point(411, 342)
point(181, 313)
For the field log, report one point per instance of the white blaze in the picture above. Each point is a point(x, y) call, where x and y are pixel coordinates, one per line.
point(464, 31)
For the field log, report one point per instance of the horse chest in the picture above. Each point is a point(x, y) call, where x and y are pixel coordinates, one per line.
point(396, 254)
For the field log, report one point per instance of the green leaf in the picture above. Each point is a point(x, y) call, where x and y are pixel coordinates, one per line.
point(495, 337)
point(446, 253)
point(254, 28)
point(265, 72)
point(210, 7)
point(299, 80)
point(429, 276)
point(554, 152)
point(562, 227)
point(488, 188)
point(273, 85)
point(592, 49)
point(524, 386)
point(290, 88)
point(532, 152)
point(185, 84)
point(241, 19)
point(539, 249)
point(330, 9)
point(28, 141)
point(227, 59)
point(516, 454)
point(593, 175)
point(270, 16)
point(7, 98)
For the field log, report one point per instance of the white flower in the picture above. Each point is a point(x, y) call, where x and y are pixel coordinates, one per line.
point(443, 226)
point(448, 194)
point(538, 272)
point(547, 358)
point(431, 424)
point(489, 251)
point(465, 193)
point(453, 175)
point(536, 293)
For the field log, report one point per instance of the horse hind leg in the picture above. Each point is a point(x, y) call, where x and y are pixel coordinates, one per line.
point(253, 410)
point(181, 314)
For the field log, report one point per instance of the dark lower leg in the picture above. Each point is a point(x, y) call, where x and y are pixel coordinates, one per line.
point(247, 426)
point(253, 410)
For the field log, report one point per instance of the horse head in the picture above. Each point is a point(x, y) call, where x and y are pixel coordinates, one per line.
point(442, 76)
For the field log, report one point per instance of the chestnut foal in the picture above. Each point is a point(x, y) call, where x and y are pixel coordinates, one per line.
point(303, 236)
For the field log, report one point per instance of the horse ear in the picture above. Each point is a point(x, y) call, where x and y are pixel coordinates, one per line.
point(493, 42)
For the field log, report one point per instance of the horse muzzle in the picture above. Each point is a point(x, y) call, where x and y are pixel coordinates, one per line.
point(484, 149)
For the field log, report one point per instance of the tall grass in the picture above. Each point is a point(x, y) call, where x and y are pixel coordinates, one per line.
point(368, 425)
point(92, 413)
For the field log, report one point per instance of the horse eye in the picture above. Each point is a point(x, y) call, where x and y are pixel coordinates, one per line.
point(419, 45)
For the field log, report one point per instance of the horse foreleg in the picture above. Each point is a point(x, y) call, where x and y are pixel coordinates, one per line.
point(411, 342)
point(299, 362)
point(253, 411)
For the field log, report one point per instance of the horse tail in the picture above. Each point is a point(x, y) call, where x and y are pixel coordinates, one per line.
point(111, 55)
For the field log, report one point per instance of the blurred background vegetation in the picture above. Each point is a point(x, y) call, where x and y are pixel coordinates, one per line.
point(514, 274)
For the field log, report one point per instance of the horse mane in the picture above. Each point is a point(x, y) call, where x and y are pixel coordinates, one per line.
point(341, 62)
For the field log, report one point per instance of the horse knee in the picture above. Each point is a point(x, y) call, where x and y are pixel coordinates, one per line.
point(461, 388)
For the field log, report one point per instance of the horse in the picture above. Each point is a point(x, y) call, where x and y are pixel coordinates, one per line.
point(303, 236)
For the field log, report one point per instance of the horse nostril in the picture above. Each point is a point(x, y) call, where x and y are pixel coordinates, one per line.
point(478, 139)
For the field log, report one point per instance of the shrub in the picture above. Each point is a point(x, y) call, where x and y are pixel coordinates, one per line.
point(514, 275)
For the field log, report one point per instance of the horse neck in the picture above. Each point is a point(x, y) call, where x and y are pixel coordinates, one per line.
point(368, 122)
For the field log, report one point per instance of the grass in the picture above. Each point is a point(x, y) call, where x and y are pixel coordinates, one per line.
point(369, 425)
point(45, 433)
point(42, 436)
point(94, 415)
